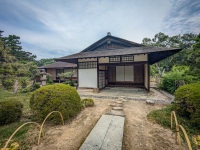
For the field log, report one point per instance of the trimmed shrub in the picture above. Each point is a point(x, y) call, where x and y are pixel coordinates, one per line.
point(10, 111)
point(187, 102)
point(56, 97)
point(88, 102)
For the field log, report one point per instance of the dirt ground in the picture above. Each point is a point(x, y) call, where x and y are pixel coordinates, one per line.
point(139, 133)
point(72, 134)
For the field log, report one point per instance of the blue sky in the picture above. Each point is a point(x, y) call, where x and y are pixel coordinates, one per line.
point(55, 28)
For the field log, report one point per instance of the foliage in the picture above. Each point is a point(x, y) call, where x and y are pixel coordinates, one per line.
point(6, 130)
point(20, 136)
point(153, 70)
point(162, 117)
point(194, 58)
point(44, 62)
point(10, 111)
point(31, 88)
point(187, 102)
point(24, 82)
point(70, 82)
point(12, 42)
point(184, 42)
point(67, 76)
point(177, 77)
point(49, 78)
point(57, 97)
point(11, 69)
point(8, 83)
point(88, 102)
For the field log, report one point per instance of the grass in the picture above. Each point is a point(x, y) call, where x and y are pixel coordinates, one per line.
point(7, 130)
point(162, 117)
point(22, 97)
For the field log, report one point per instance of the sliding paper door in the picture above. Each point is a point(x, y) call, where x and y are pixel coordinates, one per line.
point(124, 73)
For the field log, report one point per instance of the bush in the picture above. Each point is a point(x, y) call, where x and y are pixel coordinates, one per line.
point(10, 111)
point(70, 82)
point(23, 82)
point(88, 102)
point(187, 102)
point(57, 97)
point(171, 80)
point(30, 88)
point(8, 83)
point(49, 79)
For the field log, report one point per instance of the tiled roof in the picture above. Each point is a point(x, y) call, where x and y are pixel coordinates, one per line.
point(59, 65)
point(124, 51)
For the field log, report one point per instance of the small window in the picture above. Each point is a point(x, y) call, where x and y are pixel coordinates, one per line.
point(87, 65)
point(114, 59)
point(128, 58)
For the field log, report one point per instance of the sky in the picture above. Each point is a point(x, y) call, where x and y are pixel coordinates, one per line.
point(56, 28)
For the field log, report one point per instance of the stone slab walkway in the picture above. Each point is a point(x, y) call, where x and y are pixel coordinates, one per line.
point(107, 134)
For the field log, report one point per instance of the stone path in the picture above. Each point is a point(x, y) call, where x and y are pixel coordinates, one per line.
point(108, 132)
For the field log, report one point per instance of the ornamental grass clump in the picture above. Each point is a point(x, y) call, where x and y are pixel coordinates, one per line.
point(57, 97)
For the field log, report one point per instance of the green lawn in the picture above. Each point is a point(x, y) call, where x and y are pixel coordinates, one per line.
point(23, 98)
point(162, 117)
point(7, 130)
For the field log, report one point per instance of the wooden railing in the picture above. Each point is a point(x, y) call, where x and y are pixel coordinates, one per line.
point(39, 126)
point(178, 127)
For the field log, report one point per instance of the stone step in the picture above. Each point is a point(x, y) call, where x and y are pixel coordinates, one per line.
point(116, 105)
point(118, 102)
point(107, 134)
point(117, 108)
point(116, 113)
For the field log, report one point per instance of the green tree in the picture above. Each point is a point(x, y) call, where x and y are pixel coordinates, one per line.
point(12, 41)
point(194, 58)
point(184, 41)
point(43, 62)
point(11, 69)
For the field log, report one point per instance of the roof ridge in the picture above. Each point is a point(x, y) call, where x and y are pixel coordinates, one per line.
point(92, 46)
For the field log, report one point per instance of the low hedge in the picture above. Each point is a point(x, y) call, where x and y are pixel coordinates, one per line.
point(10, 111)
point(187, 102)
point(56, 97)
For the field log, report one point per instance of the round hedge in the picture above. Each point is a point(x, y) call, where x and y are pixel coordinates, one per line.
point(87, 102)
point(57, 97)
point(10, 111)
point(187, 102)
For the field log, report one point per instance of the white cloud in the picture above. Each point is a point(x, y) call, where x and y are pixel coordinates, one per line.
point(184, 17)
point(70, 26)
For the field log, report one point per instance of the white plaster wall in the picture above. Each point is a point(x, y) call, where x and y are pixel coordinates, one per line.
point(87, 59)
point(146, 76)
point(87, 78)
point(140, 57)
point(104, 60)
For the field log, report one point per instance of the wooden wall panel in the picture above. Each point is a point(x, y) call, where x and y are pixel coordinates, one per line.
point(139, 73)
